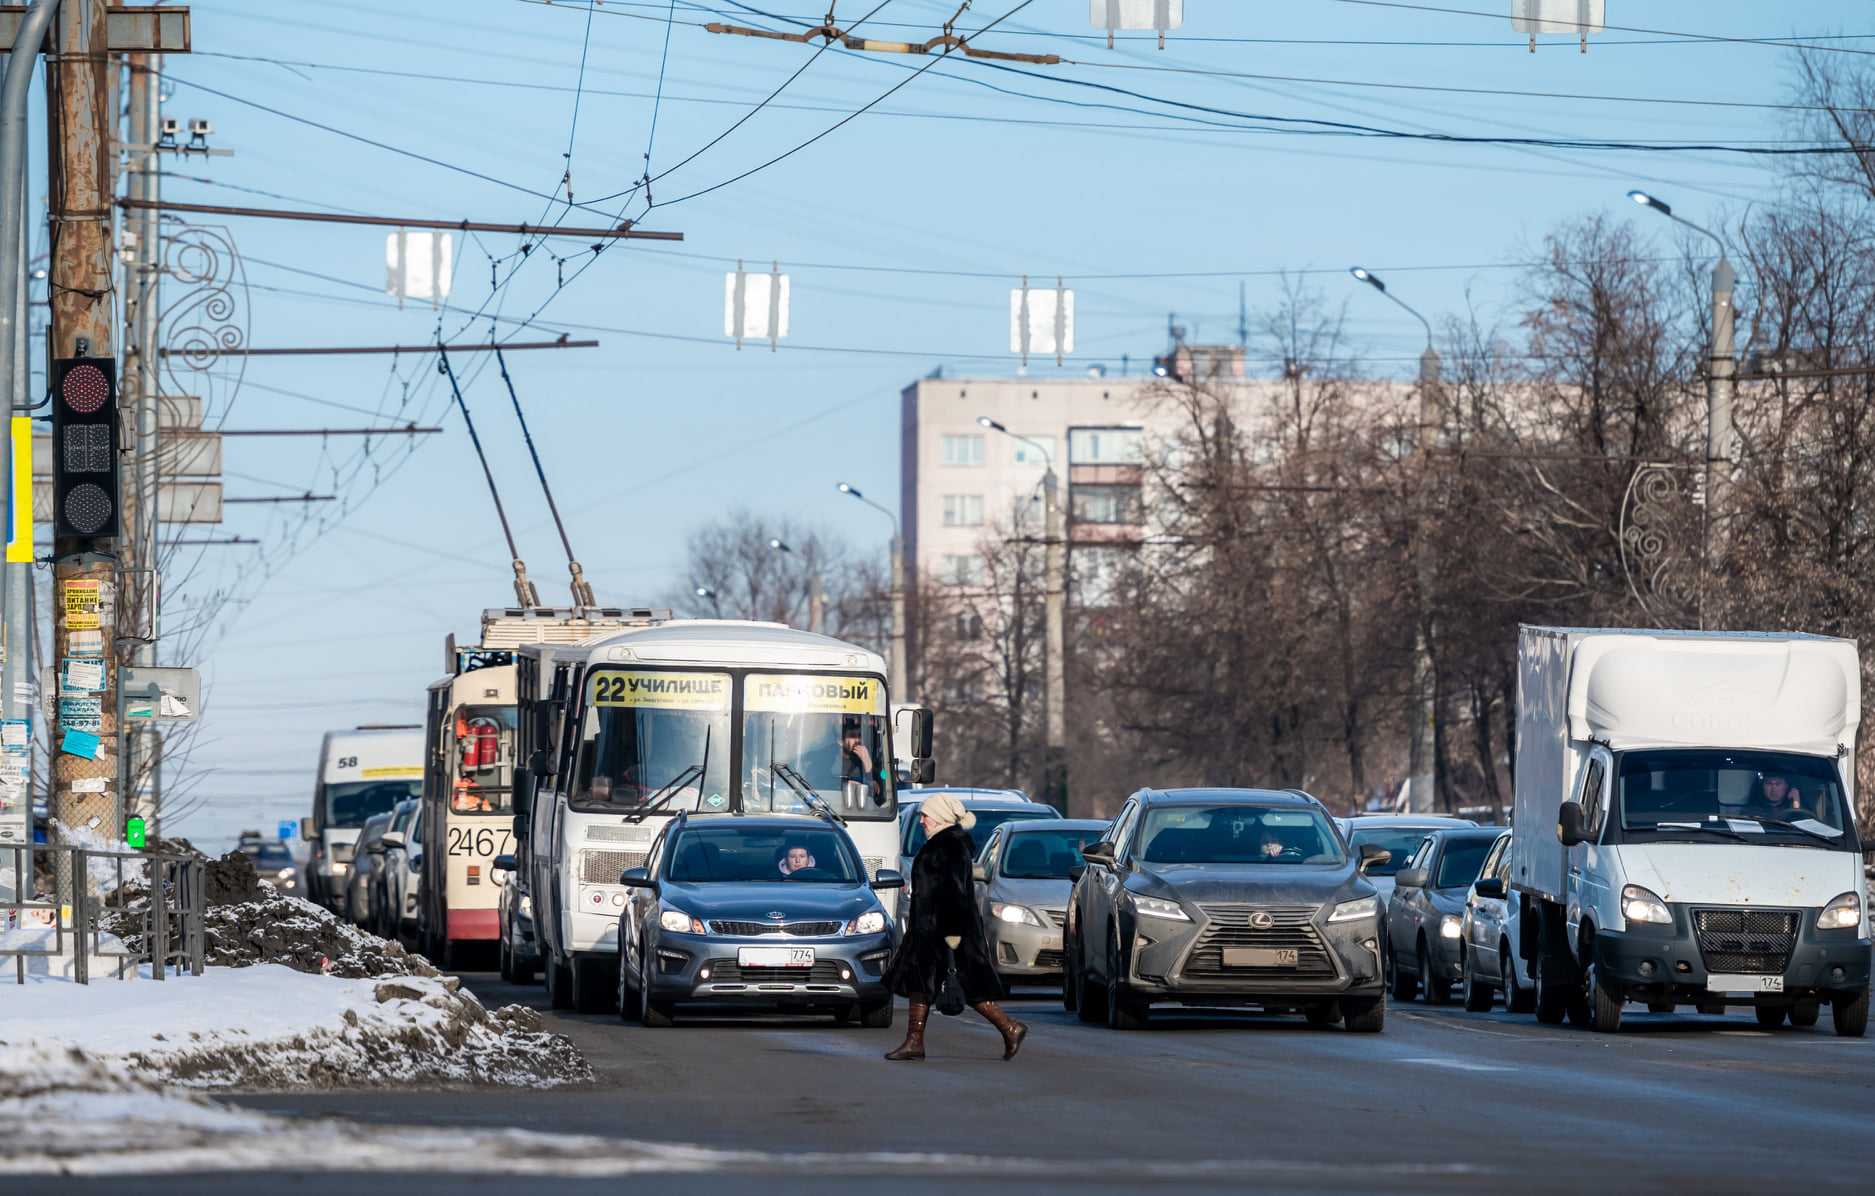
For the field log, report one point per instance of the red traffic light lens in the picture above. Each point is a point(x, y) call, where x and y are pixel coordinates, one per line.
point(84, 389)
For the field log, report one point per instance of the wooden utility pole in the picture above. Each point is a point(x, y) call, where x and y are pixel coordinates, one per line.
point(82, 111)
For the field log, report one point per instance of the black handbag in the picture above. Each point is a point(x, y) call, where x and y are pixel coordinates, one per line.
point(950, 997)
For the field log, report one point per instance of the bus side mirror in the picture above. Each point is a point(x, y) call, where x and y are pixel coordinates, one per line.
point(520, 828)
point(306, 830)
point(540, 763)
point(524, 792)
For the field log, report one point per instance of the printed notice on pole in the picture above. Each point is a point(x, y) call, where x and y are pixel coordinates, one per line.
point(82, 675)
point(81, 714)
point(83, 602)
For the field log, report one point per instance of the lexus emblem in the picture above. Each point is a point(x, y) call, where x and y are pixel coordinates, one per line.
point(1262, 920)
point(776, 914)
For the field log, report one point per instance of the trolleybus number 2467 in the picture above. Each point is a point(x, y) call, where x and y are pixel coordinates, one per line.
point(480, 840)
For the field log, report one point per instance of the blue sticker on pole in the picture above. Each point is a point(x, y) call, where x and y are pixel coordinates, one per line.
point(82, 744)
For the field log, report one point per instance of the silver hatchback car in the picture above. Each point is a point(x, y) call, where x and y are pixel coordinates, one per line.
point(1025, 877)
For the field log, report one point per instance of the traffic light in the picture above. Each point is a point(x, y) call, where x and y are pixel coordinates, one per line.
point(84, 448)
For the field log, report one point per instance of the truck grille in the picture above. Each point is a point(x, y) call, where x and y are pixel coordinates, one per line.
point(603, 867)
point(796, 930)
point(1230, 927)
point(1752, 942)
point(728, 971)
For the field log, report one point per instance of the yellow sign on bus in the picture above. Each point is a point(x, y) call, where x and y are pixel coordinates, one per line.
point(814, 693)
point(665, 691)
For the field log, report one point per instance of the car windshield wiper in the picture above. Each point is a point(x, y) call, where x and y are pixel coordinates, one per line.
point(799, 784)
point(1709, 828)
point(1779, 824)
point(695, 772)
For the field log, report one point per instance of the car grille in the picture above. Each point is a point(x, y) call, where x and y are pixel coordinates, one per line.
point(873, 864)
point(1057, 917)
point(1754, 942)
point(728, 971)
point(603, 867)
point(797, 930)
point(1229, 926)
point(1049, 959)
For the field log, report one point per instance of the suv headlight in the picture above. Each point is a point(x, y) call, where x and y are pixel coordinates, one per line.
point(870, 922)
point(1844, 913)
point(1451, 926)
point(1016, 915)
point(678, 922)
point(1360, 907)
point(1644, 905)
point(1158, 907)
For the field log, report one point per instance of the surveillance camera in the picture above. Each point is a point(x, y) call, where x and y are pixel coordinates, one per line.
point(199, 127)
point(171, 126)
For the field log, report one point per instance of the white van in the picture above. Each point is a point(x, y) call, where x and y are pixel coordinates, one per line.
point(1685, 829)
point(362, 771)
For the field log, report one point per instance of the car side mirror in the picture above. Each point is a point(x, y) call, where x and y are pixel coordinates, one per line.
point(1569, 828)
point(1099, 853)
point(1411, 878)
point(888, 879)
point(1373, 856)
point(505, 863)
point(306, 830)
point(980, 874)
point(637, 878)
point(1490, 886)
point(393, 839)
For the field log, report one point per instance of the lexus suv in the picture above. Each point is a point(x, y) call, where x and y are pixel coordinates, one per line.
point(1225, 897)
point(766, 912)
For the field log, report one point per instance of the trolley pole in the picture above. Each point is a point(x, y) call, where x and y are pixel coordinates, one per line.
point(85, 787)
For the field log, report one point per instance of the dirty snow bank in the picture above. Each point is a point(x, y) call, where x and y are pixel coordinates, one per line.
point(269, 1026)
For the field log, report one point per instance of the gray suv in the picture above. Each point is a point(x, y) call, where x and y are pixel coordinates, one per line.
point(1225, 897)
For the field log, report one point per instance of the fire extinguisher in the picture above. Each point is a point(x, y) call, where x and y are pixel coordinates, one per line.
point(481, 746)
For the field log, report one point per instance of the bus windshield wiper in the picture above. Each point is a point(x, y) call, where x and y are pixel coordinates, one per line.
point(694, 772)
point(799, 784)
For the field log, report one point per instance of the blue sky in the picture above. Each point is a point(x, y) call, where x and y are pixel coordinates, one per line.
point(650, 434)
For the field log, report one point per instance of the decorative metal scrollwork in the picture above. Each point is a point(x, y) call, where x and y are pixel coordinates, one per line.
point(208, 313)
point(1662, 542)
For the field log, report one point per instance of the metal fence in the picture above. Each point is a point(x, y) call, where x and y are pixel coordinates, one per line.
point(127, 907)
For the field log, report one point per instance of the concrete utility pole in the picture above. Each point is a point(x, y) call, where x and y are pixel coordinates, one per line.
point(140, 389)
point(816, 593)
point(1054, 628)
point(899, 681)
point(82, 112)
point(1422, 698)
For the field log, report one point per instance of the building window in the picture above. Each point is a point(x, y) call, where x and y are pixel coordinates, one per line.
point(963, 450)
point(963, 510)
point(962, 570)
point(1032, 454)
point(1105, 504)
point(969, 626)
point(1105, 446)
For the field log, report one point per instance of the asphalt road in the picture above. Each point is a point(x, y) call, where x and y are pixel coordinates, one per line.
point(1442, 1101)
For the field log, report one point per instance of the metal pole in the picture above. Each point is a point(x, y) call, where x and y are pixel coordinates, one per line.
point(1055, 671)
point(1422, 703)
point(142, 308)
point(901, 682)
point(1721, 373)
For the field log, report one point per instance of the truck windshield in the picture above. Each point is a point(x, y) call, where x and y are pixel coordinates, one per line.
point(349, 804)
point(649, 737)
point(1776, 797)
point(829, 732)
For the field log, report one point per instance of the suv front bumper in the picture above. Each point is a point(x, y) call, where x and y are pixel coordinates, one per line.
point(1181, 961)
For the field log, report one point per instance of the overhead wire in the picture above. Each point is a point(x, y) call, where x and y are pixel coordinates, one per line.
point(1564, 24)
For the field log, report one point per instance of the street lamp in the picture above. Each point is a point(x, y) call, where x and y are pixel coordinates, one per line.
point(1054, 664)
point(899, 679)
point(816, 600)
point(1721, 372)
point(1422, 779)
point(708, 594)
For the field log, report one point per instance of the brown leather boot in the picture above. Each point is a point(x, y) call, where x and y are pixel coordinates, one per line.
point(913, 1046)
point(1013, 1031)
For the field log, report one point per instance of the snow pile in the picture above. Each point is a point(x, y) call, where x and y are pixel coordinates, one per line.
point(274, 928)
point(269, 1026)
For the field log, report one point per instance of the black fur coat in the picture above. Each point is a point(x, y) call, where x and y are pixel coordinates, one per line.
point(943, 902)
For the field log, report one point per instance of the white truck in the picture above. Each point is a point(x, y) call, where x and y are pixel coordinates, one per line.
point(362, 771)
point(1684, 826)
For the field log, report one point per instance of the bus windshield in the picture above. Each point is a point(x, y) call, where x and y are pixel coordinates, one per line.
point(484, 781)
point(350, 803)
point(818, 733)
point(653, 737)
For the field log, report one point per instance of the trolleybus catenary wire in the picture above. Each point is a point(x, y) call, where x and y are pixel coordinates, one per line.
point(582, 590)
point(523, 588)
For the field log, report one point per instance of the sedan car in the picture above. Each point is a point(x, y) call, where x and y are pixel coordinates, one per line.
point(763, 912)
point(1425, 914)
point(368, 857)
point(1489, 938)
point(1025, 876)
point(992, 808)
point(1224, 897)
point(386, 885)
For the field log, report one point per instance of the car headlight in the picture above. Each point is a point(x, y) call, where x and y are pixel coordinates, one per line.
point(1015, 915)
point(1844, 913)
point(678, 922)
point(1157, 907)
point(870, 922)
point(1450, 926)
point(1644, 905)
point(527, 906)
point(285, 874)
point(1360, 907)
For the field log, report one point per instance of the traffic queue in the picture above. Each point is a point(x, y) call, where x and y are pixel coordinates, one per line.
point(702, 816)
